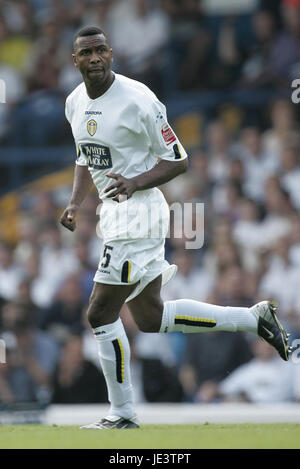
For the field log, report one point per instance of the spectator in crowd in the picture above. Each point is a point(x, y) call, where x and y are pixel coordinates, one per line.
point(19, 16)
point(258, 164)
point(223, 253)
point(23, 296)
point(47, 56)
point(190, 279)
point(155, 366)
point(290, 173)
point(226, 199)
point(219, 147)
point(13, 94)
point(278, 211)
point(254, 68)
point(275, 58)
point(86, 269)
point(194, 186)
point(10, 272)
point(283, 130)
point(136, 20)
point(56, 262)
point(247, 233)
point(281, 280)
point(232, 282)
point(44, 209)
point(28, 238)
point(65, 313)
point(285, 56)
point(31, 358)
point(208, 361)
point(227, 194)
point(77, 380)
point(188, 47)
point(264, 379)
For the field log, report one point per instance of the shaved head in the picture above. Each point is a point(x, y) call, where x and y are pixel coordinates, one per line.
point(88, 31)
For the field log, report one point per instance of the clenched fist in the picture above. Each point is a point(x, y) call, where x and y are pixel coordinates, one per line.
point(68, 218)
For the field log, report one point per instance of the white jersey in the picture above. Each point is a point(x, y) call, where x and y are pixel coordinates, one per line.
point(123, 131)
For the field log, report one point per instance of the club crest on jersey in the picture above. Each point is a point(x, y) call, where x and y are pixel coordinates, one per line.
point(92, 127)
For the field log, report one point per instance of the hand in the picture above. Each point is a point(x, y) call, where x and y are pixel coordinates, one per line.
point(68, 218)
point(122, 186)
point(207, 392)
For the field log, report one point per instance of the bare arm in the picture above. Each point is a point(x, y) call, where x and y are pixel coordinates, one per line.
point(81, 186)
point(163, 172)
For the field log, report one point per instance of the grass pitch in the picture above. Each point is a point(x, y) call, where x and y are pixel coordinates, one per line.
point(209, 436)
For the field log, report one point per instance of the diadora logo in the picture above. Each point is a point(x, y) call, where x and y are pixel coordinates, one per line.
point(100, 332)
point(92, 127)
point(98, 156)
point(93, 113)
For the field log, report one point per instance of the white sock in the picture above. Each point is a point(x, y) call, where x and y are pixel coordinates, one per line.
point(194, 316)
point(114, 353)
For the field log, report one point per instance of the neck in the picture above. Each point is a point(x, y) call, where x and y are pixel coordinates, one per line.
point(96, 89)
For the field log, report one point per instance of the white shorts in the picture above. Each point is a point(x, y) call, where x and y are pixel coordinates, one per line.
point(134, 233)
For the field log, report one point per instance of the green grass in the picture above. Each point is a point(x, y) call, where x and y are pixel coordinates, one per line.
point(154, 437)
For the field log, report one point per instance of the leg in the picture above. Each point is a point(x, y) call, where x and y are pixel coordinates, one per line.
point(106, 302)
point(152, 315)
point(147, 308)
point(114, 352)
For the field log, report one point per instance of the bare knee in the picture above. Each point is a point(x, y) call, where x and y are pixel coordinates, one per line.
point(100, 312)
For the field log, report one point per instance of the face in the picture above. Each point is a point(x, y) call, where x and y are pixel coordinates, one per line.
point(251, 140)
point(93, 57)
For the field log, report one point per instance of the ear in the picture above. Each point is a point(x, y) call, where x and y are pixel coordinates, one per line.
point(75, 60)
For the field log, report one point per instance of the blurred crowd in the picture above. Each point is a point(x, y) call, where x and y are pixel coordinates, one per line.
point(248, 180)
point(249, 185)
point(171, 45)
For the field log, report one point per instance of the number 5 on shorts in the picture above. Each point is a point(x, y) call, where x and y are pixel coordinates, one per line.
point(106, 256)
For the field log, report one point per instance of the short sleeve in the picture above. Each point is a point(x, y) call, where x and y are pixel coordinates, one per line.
point(164, 141)
point(80, 158)
point(67, 110)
